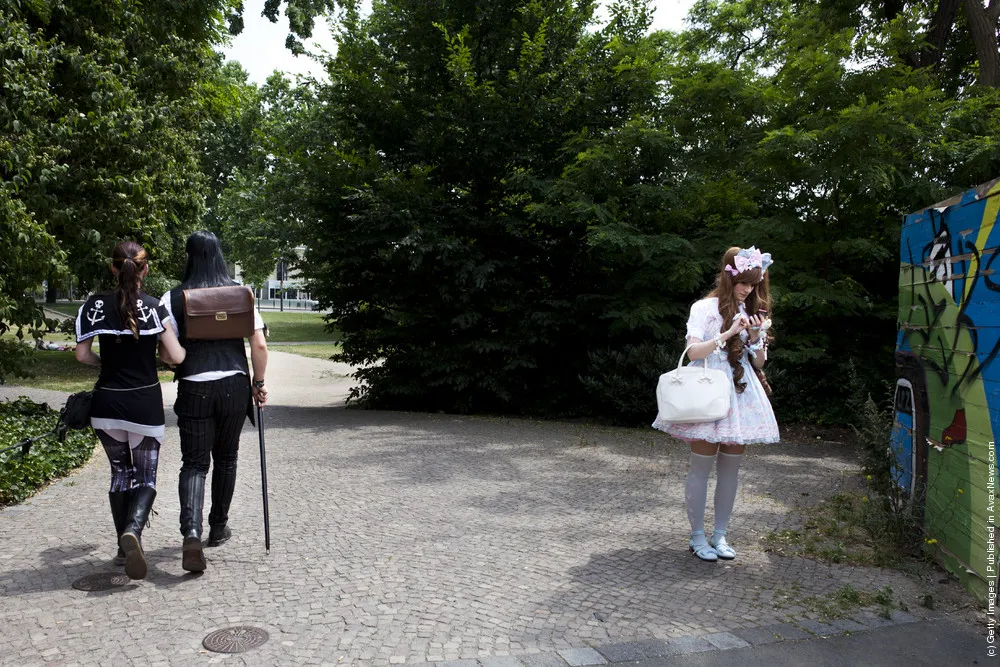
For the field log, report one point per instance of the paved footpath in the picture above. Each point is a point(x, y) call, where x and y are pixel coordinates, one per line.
point(410, 538)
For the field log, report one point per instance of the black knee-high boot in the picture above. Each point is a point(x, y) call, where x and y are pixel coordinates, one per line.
point(223, 486)
point(131, 539)
point(120, 501)
point(192, 495)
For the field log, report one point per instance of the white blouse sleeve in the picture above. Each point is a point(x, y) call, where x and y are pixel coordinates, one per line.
point(700, 321)
point(165, 302)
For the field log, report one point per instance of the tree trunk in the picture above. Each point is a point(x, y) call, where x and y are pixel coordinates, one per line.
point(892, 8)
point(50, 291)
point(939, 31)
point(983, 26)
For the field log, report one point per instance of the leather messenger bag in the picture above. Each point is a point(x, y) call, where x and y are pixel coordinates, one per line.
point(215, 313)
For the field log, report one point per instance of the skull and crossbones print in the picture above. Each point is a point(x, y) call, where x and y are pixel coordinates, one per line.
point(96, 310)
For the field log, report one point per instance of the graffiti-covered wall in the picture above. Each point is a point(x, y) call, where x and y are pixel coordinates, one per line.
point(948, 377)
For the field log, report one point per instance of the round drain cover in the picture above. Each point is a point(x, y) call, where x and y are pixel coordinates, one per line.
point(235, 640)
point(102, 581)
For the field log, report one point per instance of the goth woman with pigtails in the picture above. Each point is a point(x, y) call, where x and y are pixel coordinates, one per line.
point(729, 330)
point(127, 406)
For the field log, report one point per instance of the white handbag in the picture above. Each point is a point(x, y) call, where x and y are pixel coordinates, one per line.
point(691, 395)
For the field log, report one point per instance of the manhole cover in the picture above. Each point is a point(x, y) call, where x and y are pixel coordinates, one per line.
point(235, 640)
point(102, 581)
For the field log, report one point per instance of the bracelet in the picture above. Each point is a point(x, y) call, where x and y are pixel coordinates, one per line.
point(258, 384)
point(759, 345)
point(719, 342)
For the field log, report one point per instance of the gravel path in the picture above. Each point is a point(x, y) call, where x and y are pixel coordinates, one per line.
point(401, 537)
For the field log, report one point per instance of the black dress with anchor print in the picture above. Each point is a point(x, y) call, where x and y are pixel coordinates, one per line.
point(128, 395)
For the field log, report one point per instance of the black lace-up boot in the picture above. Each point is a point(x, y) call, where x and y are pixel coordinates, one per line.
point(131, 539)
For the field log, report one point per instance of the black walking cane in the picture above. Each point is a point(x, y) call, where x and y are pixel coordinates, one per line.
point(263, 478)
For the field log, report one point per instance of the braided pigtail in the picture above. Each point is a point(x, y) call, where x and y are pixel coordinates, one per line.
point(734, 352)
point(759, 302)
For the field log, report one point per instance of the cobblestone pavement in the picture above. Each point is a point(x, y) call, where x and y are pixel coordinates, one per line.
point(399, 537)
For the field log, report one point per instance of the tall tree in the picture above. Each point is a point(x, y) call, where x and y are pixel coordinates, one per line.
point(123, 123)
point(30, 157)
point(844, 150)
point(444, 125)
point(984, 21)
point(510, 210)
point(944, 35)
point(302, 15)
point(261, 209)
point(228, 134)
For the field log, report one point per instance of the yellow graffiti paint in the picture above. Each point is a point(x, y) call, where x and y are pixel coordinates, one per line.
point(989, 217)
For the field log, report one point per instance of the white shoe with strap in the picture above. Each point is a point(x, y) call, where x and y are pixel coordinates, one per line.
point(723, 549)
point(702, 549)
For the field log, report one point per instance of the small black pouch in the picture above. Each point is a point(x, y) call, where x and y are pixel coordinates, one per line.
point(76, 414)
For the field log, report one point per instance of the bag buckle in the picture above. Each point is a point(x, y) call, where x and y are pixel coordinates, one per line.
point(221, 316)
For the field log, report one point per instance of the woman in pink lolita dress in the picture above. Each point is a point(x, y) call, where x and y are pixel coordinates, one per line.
point(728, 329)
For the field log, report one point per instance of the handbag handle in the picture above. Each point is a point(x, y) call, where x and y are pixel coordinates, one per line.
point(704, 362)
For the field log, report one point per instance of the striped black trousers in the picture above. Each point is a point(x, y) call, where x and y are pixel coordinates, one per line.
point(210, 418)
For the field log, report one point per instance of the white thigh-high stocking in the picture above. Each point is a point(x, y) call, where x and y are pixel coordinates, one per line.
point(696, 493)
point(727, 473)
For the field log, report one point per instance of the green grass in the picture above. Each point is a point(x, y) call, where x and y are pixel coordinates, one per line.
point(288, 327)
point(847, 528)
point(841, 603)
point(833, 532)
point(319, 351)
point(60, 371)
point(68, 308)
point(283, 326)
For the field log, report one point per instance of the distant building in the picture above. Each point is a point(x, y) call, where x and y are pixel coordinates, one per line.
point(284, 289)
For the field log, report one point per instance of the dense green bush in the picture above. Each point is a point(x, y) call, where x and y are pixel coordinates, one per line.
point(48, 459)
point(622, 382)
point(15, 360)
point(157, 284)
point(500, 202)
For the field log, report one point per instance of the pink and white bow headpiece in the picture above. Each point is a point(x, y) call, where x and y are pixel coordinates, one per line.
point(750, 258)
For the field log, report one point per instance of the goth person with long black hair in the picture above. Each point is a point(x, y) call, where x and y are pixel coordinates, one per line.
point(127, 407)
point(213, 399)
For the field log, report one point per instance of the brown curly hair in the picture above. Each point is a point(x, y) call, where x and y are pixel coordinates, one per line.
point(757, 301)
